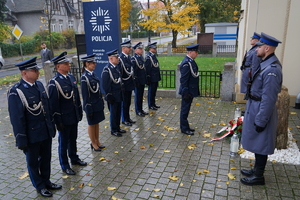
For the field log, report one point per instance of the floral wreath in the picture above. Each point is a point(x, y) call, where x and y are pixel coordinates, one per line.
point(234, 126)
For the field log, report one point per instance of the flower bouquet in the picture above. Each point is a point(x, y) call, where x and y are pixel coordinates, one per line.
point(234, 126)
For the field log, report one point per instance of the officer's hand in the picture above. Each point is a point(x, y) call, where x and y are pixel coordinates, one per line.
point(259, 128)
point(23, 148)
point(187, 97)
point(242, 68)
point(90, 116)
point(110, 99)
point(60, 127)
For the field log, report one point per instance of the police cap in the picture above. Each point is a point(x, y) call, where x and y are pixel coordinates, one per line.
point(61, 58)
point(193, 47)
point(152, 45)
point(28, 64)
point(89, 58)
point(113, 53)
point(139, 45)
point(268, 40)
point(256, 36)
point(126, 44)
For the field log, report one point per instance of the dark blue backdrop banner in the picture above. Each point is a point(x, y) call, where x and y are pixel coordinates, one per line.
point(102, 30)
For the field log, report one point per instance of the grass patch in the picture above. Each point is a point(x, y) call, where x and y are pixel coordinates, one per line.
point(204, 63)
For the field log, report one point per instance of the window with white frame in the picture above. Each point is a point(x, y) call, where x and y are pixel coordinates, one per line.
point(53, 21)
point(71, 24)
point(60, 23)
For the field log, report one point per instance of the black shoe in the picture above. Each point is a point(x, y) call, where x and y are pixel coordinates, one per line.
point(253, 180)
point(45, 193)
point(99, 149)
point(140, 114)
point(153, 108)
point(131, 121)
point(69, 171)
point(127, 123)
point(117, 134)
point(102, 147)
point(188, 132)
point(193, 130)
point(145, 113)
point(247, 172)
point(122, 131)
point(79, 162)
point(53, 186)
point(156, 106)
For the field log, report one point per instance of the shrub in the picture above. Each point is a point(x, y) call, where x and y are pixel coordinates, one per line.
point(69, 35)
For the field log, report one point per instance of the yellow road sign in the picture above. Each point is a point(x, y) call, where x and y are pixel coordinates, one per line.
point(17, 32)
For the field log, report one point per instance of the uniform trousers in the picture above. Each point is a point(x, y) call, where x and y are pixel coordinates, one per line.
point(67, 145)
point(152, 93)
point(115, 116)
point(260, 164)
point(126, 105)
point(184, 113)
point(38, 157)
point(138, 98)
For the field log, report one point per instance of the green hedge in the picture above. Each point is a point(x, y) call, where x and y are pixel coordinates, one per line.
point(141, 34)
point(10, 50)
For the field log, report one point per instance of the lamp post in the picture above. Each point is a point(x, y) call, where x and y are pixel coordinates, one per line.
point(149, 38)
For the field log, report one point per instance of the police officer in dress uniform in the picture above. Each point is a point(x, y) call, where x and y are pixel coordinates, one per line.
point(153, 75)
point(112, 86)
point(67, 112)
point(30, 116)
point(189, 86)
point(260, 122)
point(140, 78)
point(250, 63)
point(127, 72)
point(93, 104)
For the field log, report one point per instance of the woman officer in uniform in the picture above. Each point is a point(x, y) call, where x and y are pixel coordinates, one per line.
point(93, 104)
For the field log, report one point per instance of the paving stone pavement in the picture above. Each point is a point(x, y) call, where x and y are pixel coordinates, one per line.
point(136, 172)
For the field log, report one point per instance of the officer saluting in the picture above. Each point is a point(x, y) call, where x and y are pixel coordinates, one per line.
point(260, 122)
point(139, 78)
point(127, 72)
point(189, 86)
point(112, 86)
point(67, 112)
point(153, 75)
point(30, 116)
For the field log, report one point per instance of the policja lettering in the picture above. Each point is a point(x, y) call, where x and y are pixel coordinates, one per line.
point(101, 38)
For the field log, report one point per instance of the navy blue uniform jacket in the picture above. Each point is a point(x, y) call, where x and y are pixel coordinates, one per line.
point(66, 111)
point(109, 86)
point(152, 71)
point(27, 127)
point(188, 83)
point(127, 82)
point(92, 102)
point(139, 69)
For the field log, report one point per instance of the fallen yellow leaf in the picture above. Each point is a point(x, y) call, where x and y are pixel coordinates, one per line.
point(274, 161)
point(197, 104)
point(142, 147)
point(206, 135)
point(158, 124)
point(164, 135)
point(233, 168)
point(156, 190)
point(167, 151)
point(211, 143)
point(199, 172)
point(111, 188)
point(151, 162)
point(206, 171)
point(194, 180)
point(102, 158)
point(90, 185)
point(24, 175)
point(227, 183)
point(154, 131)
point(105, 126)
point(222, 124)
point(156, 196)
point(115, 198)
point(241, 150)
point(192, 146)
point(173, 178)
point(116, 152)
point(64, 177)
point(181, 184)
point(81, 185)
point(136, 129)
point(231, 176)
point(293, 113)
point(151, 145)
point(72, 188)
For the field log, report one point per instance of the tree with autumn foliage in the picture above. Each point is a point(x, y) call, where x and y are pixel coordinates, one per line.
point(171, 15)
point(125, 7)
point(213, 11)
